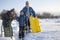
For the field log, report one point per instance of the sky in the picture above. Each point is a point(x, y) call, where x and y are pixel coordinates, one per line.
point(37, 5)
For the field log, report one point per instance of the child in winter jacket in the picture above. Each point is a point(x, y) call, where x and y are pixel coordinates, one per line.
point(21, 25)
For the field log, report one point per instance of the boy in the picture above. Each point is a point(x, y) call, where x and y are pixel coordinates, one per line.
point(21, 25)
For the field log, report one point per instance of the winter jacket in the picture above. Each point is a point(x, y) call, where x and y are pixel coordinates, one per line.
point(21, 20)
point(31, 12)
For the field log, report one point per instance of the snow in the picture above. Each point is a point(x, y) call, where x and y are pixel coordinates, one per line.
point(5, 38)
point(50, 30)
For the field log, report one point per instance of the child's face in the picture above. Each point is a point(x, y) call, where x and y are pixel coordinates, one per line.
point(12, 13)
point(21, 13)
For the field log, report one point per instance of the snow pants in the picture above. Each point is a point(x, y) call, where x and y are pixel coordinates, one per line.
point(21, 31)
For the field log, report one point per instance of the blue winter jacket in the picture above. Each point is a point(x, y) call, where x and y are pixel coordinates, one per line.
point(31, 11)
point(21, 20)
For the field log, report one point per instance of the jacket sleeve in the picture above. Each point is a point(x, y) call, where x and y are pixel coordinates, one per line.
point(23, 10)
point(33, 12)
point(17, 18)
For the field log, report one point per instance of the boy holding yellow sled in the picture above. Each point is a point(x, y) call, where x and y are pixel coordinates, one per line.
point(28, 11)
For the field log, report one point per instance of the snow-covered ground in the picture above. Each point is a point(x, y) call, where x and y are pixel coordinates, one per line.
point(50, 30)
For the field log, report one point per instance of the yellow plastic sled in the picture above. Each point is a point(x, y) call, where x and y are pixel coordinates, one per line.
point(34, 24)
